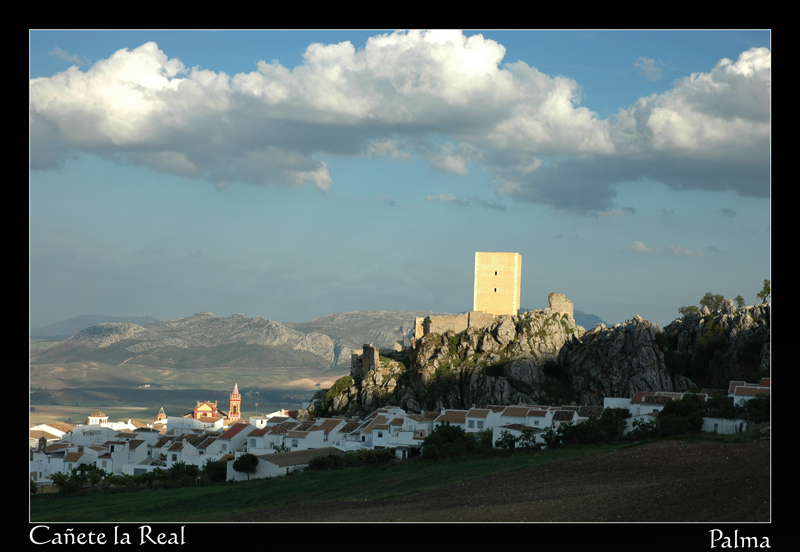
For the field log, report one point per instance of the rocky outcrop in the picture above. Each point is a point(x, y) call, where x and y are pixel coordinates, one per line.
point(543, 356)
point(716, 347)
point(619, 362)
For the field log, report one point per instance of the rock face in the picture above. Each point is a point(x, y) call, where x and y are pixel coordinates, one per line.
point(544, 356)
point(619, 362)
point(728, 344)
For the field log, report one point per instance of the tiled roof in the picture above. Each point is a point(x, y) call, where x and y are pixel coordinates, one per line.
point(234, 430)
point(515, 411)
point(563, 415)
point(733, 385)
point(639, 397)
point(452, 416)
point(747, 391)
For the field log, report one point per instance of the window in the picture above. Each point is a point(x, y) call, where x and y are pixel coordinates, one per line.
point(480, 424)
point(471, 423)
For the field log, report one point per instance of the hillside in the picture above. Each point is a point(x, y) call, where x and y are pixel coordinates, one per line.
point(667, 481)
point(196, 349)
point(545, 357)
point(71, 326)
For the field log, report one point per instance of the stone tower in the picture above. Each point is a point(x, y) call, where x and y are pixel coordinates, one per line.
point(497, 283)
point(235, 412)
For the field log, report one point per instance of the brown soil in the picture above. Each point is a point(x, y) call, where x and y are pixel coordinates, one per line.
point(669, 481)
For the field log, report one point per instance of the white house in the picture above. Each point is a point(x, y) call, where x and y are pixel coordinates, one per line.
point(283, 463)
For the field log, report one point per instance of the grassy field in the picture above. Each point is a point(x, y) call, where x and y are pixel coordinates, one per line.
point(374, 483)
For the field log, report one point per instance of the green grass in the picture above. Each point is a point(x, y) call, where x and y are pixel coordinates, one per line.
point(366, 483)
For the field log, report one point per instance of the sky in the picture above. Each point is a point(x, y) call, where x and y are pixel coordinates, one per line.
point(295, 174)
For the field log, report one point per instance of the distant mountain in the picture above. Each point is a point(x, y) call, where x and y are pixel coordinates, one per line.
point(204, 340)
point(67, 328)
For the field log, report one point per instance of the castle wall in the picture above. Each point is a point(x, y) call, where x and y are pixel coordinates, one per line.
point(456, 323)
point(560, 303)
point(497, 283)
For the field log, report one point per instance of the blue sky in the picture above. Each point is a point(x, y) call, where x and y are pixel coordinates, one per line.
point(294, 174)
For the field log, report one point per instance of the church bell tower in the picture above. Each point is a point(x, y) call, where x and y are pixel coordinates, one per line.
point(235, 412)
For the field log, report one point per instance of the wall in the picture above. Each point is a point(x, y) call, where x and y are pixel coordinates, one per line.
point(456, 323)
point(497, 283)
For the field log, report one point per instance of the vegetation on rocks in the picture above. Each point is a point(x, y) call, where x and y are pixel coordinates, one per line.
point(545, 357)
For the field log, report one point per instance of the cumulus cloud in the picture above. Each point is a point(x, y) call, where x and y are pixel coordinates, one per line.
point(437, 95)
point(639, 247)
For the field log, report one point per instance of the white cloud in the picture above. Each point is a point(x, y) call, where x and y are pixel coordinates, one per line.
point(649, 68)
point(639, 247)
point(436, 95)
point(448, 198)
point(679, 251)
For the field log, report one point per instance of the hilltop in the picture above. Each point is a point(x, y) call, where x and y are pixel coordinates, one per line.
point(545, 357)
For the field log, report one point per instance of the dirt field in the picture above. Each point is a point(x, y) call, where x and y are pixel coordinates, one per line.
point(671, 481)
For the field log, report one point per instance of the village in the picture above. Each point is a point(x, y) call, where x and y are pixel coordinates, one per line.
point(286, 441)
point(285, 444)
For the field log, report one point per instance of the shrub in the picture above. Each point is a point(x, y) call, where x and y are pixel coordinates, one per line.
point(447, 441)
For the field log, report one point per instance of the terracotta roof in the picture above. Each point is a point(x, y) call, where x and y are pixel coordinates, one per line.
point(453, 416)
point(478, 412)
point(515, 411)
point(639, 397)
point(234, 430)
point(563, 415)
point(747, 391)
point(733, 385)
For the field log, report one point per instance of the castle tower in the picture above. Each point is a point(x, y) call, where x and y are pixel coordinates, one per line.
point(497, 283)
point(235, 412)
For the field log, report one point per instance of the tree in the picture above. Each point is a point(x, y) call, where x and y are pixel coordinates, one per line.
point(765, 292)
point(712, 301)
point(739, 300)
point(448, 441)
point(215, 471)
point(246, 463)
point(506, 440)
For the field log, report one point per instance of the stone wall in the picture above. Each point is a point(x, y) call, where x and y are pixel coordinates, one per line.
point(497, 283)
point(456, 323)
point(361, 364)
point(560, 303)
